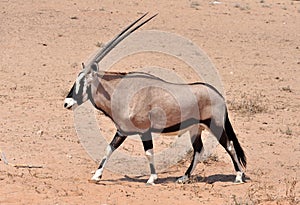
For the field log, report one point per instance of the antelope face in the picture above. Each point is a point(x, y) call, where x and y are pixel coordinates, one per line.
point(79, 92)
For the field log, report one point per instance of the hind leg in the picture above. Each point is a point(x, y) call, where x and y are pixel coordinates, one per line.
point(229, 141)
point(198, 150)
point(227, 138)
point(148, 147)
point(229, 147)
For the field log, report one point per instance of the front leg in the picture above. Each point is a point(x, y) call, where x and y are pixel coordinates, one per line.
point(115, 143)
point(148, 147)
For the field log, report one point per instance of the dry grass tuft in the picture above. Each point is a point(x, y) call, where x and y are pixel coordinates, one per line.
point(248, 104)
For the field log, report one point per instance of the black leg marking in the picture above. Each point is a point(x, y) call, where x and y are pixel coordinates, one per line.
point(195, 133)
point(152, 169)
point(232, 146)
point(148, 147)
point(225, 143)
point(117, 141)
point(197, 147)
point(223, 140)
point(147, 144)
point(102, 163)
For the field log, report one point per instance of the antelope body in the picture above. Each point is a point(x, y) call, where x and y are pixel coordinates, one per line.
point(140, 103)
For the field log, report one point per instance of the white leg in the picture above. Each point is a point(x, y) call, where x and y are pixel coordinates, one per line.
point(153, 176)
point(98, 174)
point(239, 178)
point(151, 180)
point(239, 174)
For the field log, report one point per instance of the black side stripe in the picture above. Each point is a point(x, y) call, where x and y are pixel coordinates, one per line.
point(182, 125)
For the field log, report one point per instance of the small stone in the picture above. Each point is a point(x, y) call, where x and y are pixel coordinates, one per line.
point(40, 132)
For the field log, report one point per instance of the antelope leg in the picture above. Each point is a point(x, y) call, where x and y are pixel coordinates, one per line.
point(115, 143)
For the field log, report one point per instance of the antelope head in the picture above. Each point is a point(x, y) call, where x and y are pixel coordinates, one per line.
point(79, 93)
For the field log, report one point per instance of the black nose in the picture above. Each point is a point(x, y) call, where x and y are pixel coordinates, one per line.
point(65, 105)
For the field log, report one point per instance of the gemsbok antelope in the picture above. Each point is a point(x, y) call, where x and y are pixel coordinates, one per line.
point(154, 106)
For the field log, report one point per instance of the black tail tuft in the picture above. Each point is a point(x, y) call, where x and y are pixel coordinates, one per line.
point(238, 149)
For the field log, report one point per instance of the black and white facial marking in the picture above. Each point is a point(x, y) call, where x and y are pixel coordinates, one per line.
point(78, 93)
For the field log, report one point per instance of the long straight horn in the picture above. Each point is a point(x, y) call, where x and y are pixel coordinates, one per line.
point(117, 39)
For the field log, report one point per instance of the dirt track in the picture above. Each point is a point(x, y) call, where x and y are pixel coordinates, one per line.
point(255, 45)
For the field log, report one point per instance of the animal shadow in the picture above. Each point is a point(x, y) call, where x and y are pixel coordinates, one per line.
point(171, 179)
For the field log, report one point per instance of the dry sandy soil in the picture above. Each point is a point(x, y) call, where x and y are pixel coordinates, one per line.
point(255, 45)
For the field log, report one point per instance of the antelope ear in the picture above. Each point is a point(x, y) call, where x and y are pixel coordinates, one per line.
point(91, 72)
point(90, 69)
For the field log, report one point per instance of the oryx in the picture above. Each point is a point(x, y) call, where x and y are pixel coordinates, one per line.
point(140, 103)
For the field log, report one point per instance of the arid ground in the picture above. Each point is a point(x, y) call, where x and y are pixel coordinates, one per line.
point(255, 46)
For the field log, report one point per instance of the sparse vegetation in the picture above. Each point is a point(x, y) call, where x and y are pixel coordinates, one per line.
point(286, 89)
point(290, 192)
point(266, 5)
point(287, 131)
point(100, 44)
point(242, 7)
point(210, 159)
point(237, 201)
point(248, 104)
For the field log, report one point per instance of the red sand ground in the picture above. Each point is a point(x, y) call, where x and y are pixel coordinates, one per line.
point(255, 46)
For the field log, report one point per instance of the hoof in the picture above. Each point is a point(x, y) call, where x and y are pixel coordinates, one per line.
point(239, 178)
point(151, 180)
point(182, 180)
point(95, 180)
point(150, 184)
point(238, 181)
